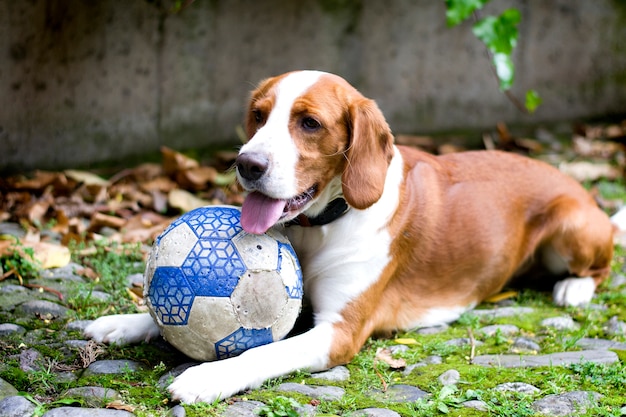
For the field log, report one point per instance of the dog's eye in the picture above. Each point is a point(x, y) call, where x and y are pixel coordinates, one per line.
point(258, 116)
point(309, 123)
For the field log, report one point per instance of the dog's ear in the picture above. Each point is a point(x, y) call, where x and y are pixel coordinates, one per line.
point(369, 152)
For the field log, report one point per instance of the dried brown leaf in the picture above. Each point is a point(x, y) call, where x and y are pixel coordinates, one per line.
point(119, 405)
point(86, 177)
point(385, 355)
point(100, 220)
point(184, 200)
point(196, 178)
point(174, 162)
point(589, 171)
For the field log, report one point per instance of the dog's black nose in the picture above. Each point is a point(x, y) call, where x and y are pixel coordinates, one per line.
point(252, 166)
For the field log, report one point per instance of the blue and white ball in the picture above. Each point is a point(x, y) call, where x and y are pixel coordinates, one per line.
point(215, 290)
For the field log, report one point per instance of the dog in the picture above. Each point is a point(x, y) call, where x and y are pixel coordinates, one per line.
point(388, 237)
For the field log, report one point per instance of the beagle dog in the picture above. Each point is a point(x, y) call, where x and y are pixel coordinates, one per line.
point(388, 237)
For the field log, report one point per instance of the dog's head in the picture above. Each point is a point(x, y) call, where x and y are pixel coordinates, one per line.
point(312, 138)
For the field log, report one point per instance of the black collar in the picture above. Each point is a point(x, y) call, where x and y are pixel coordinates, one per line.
point(334, 210)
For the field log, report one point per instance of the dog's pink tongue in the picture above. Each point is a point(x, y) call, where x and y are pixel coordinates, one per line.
point(260, 212)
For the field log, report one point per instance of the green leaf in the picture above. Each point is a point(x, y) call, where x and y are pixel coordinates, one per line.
point(446, 391)
point(499, 33)
point(532, 101)
point(459, 10)
point(505, 70)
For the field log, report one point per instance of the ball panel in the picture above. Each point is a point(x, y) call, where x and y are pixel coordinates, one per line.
point(214, 222)
point(257, 251)
point(213, 267)
point(290, 270)
point(259, 298)
point(210, 319)
point(149, 271)
point(173, 247)
point(241, 340)
point(285, 322)
point(170, 296)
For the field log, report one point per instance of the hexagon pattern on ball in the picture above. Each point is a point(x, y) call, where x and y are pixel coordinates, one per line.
point(203, 255)
point(241, 340)
point(171, 296)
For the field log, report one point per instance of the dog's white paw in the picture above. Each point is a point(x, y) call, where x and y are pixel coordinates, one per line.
point(122, 329)
point(574, 291)
point(211, 381)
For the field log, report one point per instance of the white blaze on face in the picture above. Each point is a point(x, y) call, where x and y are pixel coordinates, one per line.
point(275, 141)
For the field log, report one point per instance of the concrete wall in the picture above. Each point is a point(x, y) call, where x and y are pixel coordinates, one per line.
point(87, 81)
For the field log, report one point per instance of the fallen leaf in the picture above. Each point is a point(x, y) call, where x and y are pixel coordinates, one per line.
point(384, 355)
point(501, 296)
point(196, 178)
point(85, 177)
point(119, 405)
point(100, 220)
point(595, 148)
point(39, 181)
point(184, 200)
point(589, 171)
point(87, 272)
point(174, 162)
point(405, 341)
point(51, 255)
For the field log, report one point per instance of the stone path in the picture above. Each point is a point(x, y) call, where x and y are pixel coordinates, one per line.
point(22, 305)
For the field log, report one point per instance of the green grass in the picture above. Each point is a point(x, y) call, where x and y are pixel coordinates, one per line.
point(141, 391)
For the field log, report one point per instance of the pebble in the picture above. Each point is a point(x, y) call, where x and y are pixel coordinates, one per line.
point(338, 373)
point(560, 323)
point(398, 393)
point(490, 314)
point(552, 359)
point(462, 341)
point(524, 345)
point(86, 412)
point(570, 403)
point(30, 360)
point(432, 330)
point(78, 325)
point(12, 229)
point(476, 405)
point(113, 366)
point(450, 377)
point(617, 281)
point(179, 411)
point(429, 360)
point(16, 406)
point(42, 308)
point(520, 387)
point(503, 329)
point(373, 412)
point(64, 273)
point(92, 396)
point(328, 393)
point(600, 344)
point(615, 327)
point(10, 328)
point(6, 389)
point(241, 409)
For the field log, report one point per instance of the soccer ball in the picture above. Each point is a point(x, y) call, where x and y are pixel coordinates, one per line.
point(215, 290)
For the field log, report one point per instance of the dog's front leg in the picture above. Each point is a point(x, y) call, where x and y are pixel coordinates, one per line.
point(123, 329)
point(222, 379)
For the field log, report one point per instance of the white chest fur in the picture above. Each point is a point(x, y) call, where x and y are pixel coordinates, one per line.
point(344, 258)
